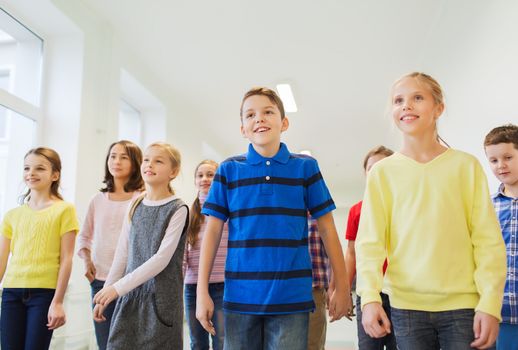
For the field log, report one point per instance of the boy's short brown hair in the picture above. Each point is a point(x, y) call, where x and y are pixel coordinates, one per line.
point(264, 91)
point(503, 134)
point(387, 152)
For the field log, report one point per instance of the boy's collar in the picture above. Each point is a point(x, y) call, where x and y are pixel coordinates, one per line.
point(282, 156)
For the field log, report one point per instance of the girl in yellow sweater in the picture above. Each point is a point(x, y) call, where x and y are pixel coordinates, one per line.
point(40, 237)
point(427, 208)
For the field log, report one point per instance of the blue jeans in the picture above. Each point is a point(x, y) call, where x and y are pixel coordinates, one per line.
point(507, 337)
point(365, 342)
point(102, 330)
point(24, 318)
point(199, 336)
point(268, 332)
point(423, 330)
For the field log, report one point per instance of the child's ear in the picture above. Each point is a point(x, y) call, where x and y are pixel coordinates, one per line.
point(243, 131)
point(174, 173)
point(285, 124)
point(55, 176)
point(440, 109)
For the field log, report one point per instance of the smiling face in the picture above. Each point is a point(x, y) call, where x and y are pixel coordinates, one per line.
point(38, 174)
point(157, 168)
point(503, 160)
point(204, 176)
point(414, 109)
point(262, 125)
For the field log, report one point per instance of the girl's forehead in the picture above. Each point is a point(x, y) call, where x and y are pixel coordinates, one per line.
point(206, 167)
point(155, 151)
point(36, 159)
point(410, 84)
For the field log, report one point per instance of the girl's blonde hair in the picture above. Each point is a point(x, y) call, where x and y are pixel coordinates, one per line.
point(176, 162)
point(434, 87)
point(196, 217)
point(55, 163)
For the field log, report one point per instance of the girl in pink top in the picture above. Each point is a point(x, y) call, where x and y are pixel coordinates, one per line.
point(203, 176)
point(103, 223)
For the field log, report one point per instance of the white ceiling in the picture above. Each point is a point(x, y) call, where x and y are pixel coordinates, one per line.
point(339, 56)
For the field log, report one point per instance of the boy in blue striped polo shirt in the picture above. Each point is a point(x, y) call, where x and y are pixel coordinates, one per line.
point(501, 146)
point(266, 194)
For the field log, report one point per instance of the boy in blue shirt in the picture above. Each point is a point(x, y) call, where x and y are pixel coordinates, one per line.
point(501, 146)
point(266, 194)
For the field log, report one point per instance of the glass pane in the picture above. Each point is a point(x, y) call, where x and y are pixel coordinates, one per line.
point(129, 123)
point(19, 136)
point(21, 54)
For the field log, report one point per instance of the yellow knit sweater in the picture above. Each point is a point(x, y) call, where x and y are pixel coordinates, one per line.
point(35, 244)
point(436, 224)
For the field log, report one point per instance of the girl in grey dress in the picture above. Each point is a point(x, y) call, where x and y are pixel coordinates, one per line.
point(146, 276)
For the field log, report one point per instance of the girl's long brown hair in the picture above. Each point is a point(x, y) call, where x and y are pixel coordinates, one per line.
point(55, 162)
point(196, 218)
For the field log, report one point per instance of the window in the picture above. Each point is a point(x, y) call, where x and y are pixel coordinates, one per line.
point(129, 123)
point(21, 55)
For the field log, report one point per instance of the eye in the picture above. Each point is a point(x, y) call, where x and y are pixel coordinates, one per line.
point(269, 112)
point(112, 156)
point(509, 157)
point(125, 157)
point(398, 100)
point(249, 115)
point(145, 160)
point(26, 168)
point(419, 97)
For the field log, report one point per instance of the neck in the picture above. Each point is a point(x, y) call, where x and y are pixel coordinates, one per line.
point(422, 148)
point(118, 184)
point(268, 151)
point(156, 193)
point(511, 190)
point(40, 198)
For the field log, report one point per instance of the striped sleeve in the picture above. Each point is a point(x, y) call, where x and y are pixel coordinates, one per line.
point(216, 204)
point(318, 198)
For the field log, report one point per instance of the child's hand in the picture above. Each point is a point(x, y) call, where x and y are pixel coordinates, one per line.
point(89, 270)
point(375, 321)
point(99, 313)
point(340, 305)
point(485, 329)
point(56, 316)
point(106, 296)
point(204, 312)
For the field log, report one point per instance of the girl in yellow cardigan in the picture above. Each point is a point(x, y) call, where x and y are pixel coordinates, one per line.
point(40, 237)
point(428, 209)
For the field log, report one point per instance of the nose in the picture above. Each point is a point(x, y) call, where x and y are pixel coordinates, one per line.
point(407, 106)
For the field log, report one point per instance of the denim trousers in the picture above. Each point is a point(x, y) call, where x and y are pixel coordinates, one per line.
point(24, 318)
point(199, 336)
point(424, 330)
point(365, 342)
point(507, 337)
point(268, 332)
point(102, 329)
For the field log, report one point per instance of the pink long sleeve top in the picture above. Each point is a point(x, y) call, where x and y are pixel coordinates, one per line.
point(192, 255)
point(101, 230)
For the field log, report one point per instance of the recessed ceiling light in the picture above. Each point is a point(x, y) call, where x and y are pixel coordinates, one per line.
point(287, 98)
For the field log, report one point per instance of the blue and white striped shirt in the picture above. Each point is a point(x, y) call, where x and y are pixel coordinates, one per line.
point(507, 212)
point(266, 200)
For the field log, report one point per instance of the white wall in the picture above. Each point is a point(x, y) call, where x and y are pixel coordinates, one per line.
point(473, 52)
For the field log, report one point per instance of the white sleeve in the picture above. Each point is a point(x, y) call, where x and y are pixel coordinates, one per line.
point(158, 262)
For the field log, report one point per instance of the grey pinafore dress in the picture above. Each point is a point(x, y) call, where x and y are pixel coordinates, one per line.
point(151, 315)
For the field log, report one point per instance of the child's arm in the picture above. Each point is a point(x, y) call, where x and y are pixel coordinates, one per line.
point(209, 248)
point(5, 249)
point(489, 253)
point(340, 303)
point(85, 241)
point(56, 314)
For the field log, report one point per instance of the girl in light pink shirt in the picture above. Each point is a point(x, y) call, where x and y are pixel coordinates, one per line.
point(103, 223)
point(203, 176)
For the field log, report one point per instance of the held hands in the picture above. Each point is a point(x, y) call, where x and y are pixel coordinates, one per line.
point(89, 270)
point(102, 299)
point(56, 316)
point(340, 305)
point(205, 311)
point(375, 320)
point(485, 329)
